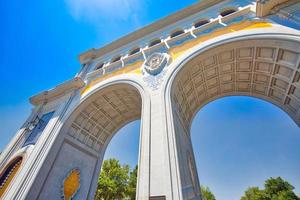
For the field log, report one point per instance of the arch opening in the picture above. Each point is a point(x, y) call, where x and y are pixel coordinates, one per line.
point(201, 22)
point(227, 11)
point(8, 173)
point(89, 130)
point(122, 155)
point(263, 68)
point(176, 33)
point(235, 139)
point(134, 51)
point(108, 115)
point(154, 42)
point(267, 69)
point(116, 59)
point(99, 66)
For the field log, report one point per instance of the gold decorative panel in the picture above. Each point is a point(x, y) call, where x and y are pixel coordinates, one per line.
point(71, 184)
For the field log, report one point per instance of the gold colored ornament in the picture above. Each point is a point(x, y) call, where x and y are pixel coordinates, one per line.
point(71, 184)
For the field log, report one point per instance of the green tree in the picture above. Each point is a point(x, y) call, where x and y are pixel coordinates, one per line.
point(254, 193)
point(274, 186)
point(275, 189)
point(207, 194)
point(113, 181)
point(286, 195)
point(131, 192)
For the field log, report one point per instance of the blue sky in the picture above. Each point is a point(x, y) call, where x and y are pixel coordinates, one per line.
point(40, 41)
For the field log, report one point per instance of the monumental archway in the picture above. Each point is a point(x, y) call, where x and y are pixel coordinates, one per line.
point(163, 73)
point(261, 67)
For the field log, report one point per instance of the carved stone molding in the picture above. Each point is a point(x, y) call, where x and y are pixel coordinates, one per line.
point(58, 91)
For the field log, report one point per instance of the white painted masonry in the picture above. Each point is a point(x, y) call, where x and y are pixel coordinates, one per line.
point(240, 54)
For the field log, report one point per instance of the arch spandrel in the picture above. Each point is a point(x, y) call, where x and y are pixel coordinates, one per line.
point(263, 68)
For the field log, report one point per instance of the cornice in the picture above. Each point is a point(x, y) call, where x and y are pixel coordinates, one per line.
point(58, 91)
point(173, 18)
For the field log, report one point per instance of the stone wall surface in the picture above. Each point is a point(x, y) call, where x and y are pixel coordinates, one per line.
point(242, 53)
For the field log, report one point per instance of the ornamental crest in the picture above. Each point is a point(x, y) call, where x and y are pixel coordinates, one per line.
point(155, 63)
point(155, 68)
point(71, 184)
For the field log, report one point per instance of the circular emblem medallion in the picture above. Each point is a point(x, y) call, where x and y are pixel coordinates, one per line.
point(156, 62)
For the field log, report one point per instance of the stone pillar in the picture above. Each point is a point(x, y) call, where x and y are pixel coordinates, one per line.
point(168, 176)
point(154, 181)
point(190, 185)
point(143, 179)
point(160, 177)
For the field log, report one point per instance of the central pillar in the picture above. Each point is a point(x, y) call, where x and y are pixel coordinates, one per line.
point(167, 164)
point(158, 178)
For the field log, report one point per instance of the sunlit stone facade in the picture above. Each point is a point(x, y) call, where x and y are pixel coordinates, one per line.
point(162, 74)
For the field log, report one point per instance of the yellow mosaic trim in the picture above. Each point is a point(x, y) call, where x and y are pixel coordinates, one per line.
point(175, 52)
point(134, 68)
point(258, 25)
point(10, 177)
point(71, 184)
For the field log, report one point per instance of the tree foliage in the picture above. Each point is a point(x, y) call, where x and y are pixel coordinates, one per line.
point(254, 193)
point(132, 184)
point(119, 182)
point(116, 181)
point(207, 194)
point(275, 189)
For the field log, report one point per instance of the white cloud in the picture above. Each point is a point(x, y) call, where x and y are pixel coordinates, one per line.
point(95, 10)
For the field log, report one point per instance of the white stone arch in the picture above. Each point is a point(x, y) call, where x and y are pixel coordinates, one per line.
point(23, 155)
point(135, 84)
point(42, 169)
point(144, 149)
point(292, 36)
point(179, 121)
point(108, 84)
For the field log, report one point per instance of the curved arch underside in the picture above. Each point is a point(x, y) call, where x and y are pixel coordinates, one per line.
point(104, 113)
point(8, 174)
point(266, 69)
